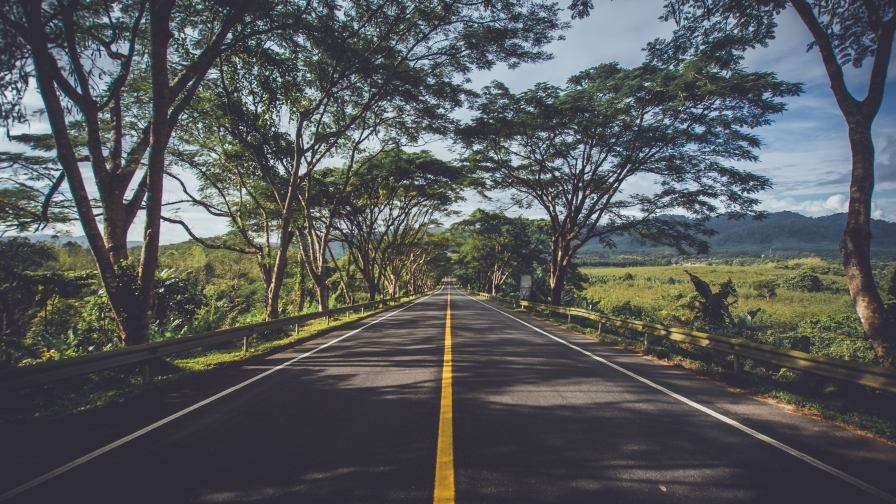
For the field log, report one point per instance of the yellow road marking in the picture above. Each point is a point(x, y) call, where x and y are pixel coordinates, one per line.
point(444, 493)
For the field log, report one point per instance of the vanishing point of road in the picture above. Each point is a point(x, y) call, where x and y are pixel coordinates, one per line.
point(447, 399)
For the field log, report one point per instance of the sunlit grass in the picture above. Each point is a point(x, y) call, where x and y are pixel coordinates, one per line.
point(783, 312)
point(93, 391)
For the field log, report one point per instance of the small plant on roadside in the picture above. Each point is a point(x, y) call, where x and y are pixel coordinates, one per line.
point(713, 309)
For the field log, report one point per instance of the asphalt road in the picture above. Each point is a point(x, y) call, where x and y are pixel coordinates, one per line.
point(536, 414)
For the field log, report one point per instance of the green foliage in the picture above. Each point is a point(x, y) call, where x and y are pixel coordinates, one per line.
point(627, 310)
point(821, 322)
point(491, 247)
point(713, 307)
point(35, 305)
point(815, 265)
point(841, 337)
point(766, 287)
point(28, 180)
point(803, 281)
point(568, 149)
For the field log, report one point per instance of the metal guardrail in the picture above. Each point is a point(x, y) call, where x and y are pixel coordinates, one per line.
point(37, 374)
point(864, 374)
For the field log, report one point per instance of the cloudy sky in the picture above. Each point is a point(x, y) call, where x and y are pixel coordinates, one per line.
point(806, 152)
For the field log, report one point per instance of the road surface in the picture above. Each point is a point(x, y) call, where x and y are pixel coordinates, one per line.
point(479, 404)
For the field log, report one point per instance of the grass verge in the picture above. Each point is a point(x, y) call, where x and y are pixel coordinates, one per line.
point(89, 392)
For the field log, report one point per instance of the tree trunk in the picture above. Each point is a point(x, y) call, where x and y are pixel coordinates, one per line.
point(855, 248)
point(558, 282)
point(300, 283)
point(323, 292)
point(371, 288)
point(139, 321)
point(272, 307)
point(560, 256)
point(115, 228)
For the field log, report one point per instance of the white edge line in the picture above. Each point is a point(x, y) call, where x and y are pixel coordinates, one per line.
point(758, 435)
point(85, 458)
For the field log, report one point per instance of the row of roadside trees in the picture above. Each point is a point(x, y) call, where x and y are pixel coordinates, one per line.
point(251, 98)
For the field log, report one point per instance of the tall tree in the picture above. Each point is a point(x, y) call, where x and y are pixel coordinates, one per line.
point(571, 151)
point(391, 204)
point(360, 76)
point(126, 70)
point(492, 246)
point(845, 32)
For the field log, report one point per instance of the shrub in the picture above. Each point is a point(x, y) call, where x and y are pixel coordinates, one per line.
point(627, 310)
point(766, 287)
point(839, 337)
point(803, 281)
point(815, 265)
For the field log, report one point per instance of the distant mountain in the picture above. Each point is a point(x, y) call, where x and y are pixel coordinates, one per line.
point(789, 229)
point(80, 240)
point(780, 232)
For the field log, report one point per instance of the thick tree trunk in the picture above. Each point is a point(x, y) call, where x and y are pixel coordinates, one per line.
point(115, 228)
point(323, 292)
point(855, 248)
point(300, 284)
point(372, 290)
point(558, 282)
point(140, 320)
point(272, 306)
point(560, 257)
point(65, 153)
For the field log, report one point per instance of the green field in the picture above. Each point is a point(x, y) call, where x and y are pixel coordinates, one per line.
point(662, 294)
point(783, 312)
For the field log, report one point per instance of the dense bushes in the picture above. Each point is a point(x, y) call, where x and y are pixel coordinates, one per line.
point(803, 281)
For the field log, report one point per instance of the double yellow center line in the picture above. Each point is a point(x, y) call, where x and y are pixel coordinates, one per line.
point(444, 493)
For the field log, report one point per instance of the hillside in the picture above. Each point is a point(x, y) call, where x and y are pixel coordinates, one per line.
point(780, 232)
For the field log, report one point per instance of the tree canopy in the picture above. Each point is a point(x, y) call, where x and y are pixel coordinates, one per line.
point(576, 152)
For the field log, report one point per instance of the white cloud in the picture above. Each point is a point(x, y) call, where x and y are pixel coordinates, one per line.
point(815, 208)
point(820, 207)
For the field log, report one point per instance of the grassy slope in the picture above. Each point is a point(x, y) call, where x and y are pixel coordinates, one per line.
point(783, 312)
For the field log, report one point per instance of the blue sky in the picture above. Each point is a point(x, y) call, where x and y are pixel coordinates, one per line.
point(806, 152)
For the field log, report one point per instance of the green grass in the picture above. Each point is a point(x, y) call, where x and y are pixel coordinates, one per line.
point(88, 392)
point(783, 312)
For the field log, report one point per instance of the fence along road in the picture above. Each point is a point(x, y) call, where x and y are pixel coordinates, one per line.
point(535, 418)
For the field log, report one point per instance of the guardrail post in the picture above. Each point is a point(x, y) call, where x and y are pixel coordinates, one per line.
point(646, 343)
point(145, 378)
point(568, 318)
point(736, 363)
point(600, 326)
point(328, 320)
point(245, 344)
